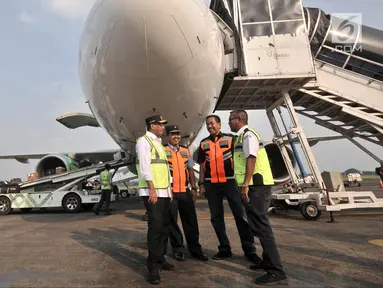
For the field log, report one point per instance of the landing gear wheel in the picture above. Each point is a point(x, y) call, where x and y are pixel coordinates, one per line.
point(26, 209)
point(72, 203)
point(5, 205)
point(310, 211)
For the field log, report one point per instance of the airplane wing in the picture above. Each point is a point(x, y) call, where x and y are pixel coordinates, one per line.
point(76, 120)
point(93, 157)
point(23, 158)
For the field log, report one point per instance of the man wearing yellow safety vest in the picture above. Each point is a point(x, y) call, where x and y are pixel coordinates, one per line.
point(106, 190)
point(254, 178)
point(154, 188)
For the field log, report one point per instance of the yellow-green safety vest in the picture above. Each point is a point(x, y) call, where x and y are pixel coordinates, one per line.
point(262, 174)
point(105, 180)
point(159, 166)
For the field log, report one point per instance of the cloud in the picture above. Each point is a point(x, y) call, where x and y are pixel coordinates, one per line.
point(27, 18)
point(70, 9)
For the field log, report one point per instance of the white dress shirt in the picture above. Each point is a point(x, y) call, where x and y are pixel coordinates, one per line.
point(250, 143)
point(144, 155)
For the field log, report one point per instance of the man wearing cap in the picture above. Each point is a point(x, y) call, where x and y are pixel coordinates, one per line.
point(154, 188)
point(181, 170)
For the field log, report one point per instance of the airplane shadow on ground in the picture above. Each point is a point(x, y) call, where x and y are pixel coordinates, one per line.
point(129, 248)
point(54, 216)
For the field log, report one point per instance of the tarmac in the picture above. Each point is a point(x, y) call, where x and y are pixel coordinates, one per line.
point(55, 249)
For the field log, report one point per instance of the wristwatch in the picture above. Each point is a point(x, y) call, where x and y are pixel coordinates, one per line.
point(200, 183)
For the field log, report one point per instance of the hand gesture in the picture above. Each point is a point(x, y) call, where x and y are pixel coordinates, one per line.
point(152, 196)
point(245, 193)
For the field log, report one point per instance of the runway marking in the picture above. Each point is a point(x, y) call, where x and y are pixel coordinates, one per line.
point(378, 242)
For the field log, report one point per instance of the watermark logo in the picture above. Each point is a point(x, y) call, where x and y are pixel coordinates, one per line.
point(346, 31)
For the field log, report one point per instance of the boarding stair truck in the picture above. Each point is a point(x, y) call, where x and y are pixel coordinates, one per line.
point(296, 59)
point(67, 190)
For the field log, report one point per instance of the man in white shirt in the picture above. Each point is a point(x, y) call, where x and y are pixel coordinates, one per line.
point(155, 190)
point(254, 177)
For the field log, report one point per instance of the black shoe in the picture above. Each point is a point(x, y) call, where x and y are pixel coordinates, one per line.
point(96, 212)
point(108, 213)
point(179, 256)
point(271, 279)
point(200, 256)
point(222, 255)
point(167, 266)
point(253, 257)
point(154, 276)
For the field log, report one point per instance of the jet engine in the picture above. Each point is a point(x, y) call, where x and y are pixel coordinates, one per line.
point(48, 164)
point(278, 167)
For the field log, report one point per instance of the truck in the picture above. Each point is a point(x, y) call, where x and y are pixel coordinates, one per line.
point(352, 179)
point(67, 190)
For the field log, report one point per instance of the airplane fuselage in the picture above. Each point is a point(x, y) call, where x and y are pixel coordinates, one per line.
point(147, 57)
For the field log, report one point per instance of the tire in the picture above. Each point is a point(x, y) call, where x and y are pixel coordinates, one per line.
point(72, 203)
point(26, 209)
point(310, 211)
point(124, 194)
point(5, 205)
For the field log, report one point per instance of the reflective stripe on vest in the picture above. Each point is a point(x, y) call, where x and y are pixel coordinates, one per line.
point(262, 174)
point(105, 180)
point(158, 165)
point(218, 159)
point(178, 162)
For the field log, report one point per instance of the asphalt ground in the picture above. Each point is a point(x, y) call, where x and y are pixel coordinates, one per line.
point(55, 249)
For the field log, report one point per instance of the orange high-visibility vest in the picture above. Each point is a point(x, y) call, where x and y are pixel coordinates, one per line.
point(178, 162)
point(218, 164)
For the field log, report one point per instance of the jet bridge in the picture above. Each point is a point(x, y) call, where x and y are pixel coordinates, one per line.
point(291, 60)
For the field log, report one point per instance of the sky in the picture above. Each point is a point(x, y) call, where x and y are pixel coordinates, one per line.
point(39, 81)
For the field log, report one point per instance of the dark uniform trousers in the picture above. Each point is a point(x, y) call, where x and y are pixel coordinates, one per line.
point(105, 197)
point(183, 202)
point(256, 210)
point(215, 193)
point(158, 230)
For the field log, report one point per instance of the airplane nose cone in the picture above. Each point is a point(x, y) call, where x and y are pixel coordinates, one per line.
point(155, 30)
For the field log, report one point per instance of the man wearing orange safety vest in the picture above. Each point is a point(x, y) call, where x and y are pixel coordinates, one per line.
point(181, 170)
point(217, 180)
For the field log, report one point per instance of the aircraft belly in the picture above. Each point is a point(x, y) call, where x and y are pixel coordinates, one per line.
point(156, 59)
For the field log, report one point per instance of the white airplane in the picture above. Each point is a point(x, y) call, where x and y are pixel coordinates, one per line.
point(145, 57)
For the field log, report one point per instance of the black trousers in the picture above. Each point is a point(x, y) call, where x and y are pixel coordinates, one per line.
point(256, 210)
point(105, 197)
point(215, 193)
point(158, 231)
point(183, 202)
